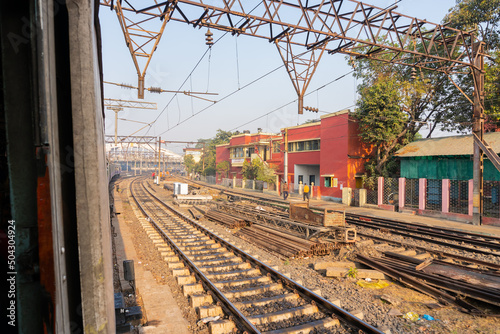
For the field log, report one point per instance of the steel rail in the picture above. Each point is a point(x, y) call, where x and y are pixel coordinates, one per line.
point(443, 297)
point(430, 240)
point(433, 231)
point(265, 200)
point(466, 235)
point(305, 293)
point(243, 321)
point(426, 249)
point(433, 251)
point(487, 295)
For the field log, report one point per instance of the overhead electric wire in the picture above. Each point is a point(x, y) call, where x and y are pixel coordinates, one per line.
point(225, 97)
point(274, 110)
point(208, 50)
point(196, 66)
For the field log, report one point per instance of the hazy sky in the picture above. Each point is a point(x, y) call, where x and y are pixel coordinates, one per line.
point(234, 62)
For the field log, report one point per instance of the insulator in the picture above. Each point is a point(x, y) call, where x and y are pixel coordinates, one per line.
point(208, 37)
point(155, 90)
point(413, 73)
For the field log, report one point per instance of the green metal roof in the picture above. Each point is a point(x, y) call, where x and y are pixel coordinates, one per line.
point(447, 146)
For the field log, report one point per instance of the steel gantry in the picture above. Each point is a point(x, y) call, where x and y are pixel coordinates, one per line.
point(303, 30)
point(118, 105)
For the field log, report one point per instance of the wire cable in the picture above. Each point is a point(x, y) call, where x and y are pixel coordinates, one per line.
point(286, 104)
point(237, 61)
point(208, 50)
point(225, 97)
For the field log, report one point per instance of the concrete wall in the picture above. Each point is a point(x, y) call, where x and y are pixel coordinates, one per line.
point(334, 150)
point(299, 133)
point(306, 171)
point(92, 202)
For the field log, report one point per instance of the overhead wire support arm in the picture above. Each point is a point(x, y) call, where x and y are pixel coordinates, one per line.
point(129, 104)
point(159, 90)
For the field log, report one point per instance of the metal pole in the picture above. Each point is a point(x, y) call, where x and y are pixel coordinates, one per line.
point(140, 157)
point(478, 129)
point(203, 155)
point(126, 157)
point(159, 157)
point(285, 158)
point(301, 104)
point(116, 126)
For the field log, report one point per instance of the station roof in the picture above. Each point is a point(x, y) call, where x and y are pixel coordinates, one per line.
point(446, 146)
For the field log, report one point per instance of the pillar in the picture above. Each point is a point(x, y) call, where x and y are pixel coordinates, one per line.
point(380, 191)
point(401, 193)
point(445, 193)
point(362, 197)
point(422, 185)
point(471, 197)
point(278, 185)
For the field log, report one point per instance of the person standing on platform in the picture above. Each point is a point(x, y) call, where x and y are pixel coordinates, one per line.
point(306, 192)
point(153, 176)
point(284, 190)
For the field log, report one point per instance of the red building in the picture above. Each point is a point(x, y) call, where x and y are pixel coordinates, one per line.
point(246, 147)
point(328, 153)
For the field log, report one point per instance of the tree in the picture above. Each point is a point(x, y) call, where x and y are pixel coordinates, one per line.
point(209, 153)
point(189, 162)
point(223, 168)
point(396, 101)
point(250, 169)
point(382, 120)
point(480, 15)
point(256, 169)
point(483, 17)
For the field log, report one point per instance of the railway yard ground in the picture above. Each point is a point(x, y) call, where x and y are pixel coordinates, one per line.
point(403, 295)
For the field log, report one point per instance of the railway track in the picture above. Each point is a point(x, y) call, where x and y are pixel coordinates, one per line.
point(483, 244)
point(248, 294)
point(471, 242)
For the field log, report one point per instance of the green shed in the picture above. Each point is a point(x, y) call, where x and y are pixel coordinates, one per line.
point(446, 158)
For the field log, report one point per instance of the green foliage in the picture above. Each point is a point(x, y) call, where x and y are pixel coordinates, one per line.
point(352, 273)
point(492, 88)
point(310, 121)
point(484, 17)
point(223, 168)
point(208, 156)
point(209, 171)
point(480, 15)
point(250, 169)
point(256, 169)
point(189, 163)
point(396, 101)
point(385, 113)
point(380, 115)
